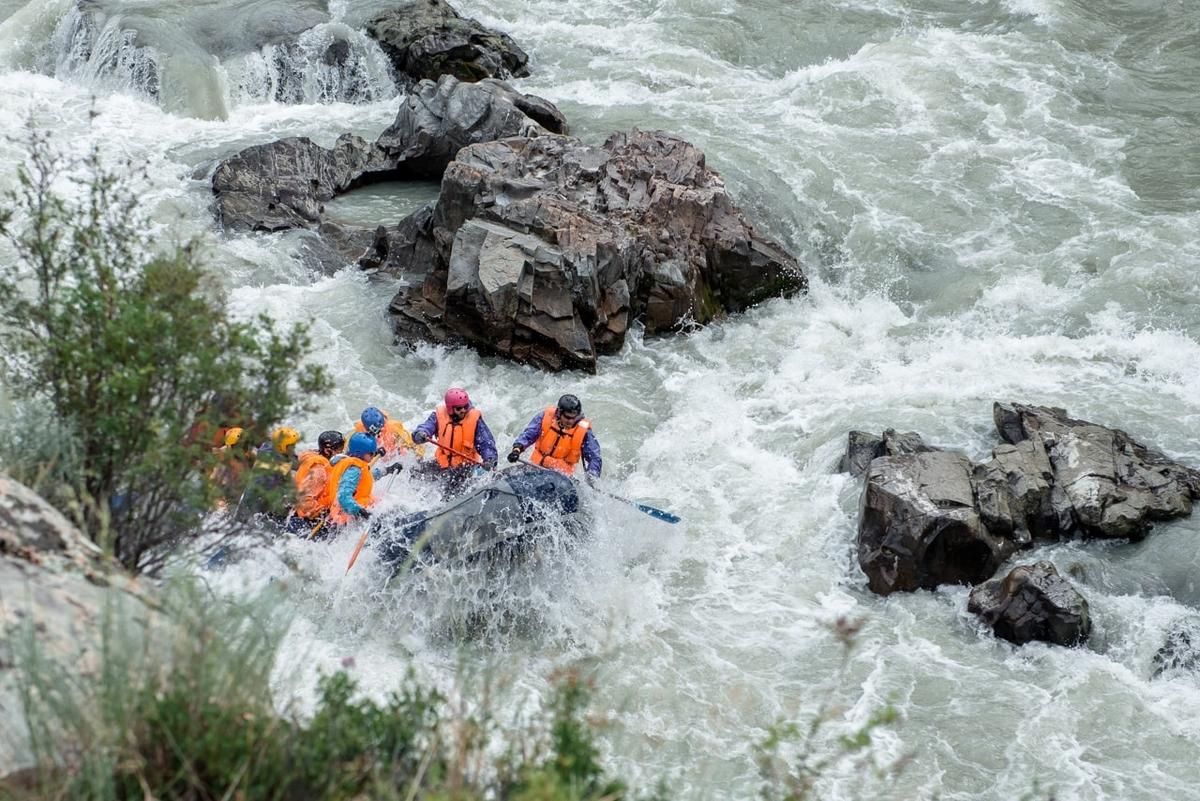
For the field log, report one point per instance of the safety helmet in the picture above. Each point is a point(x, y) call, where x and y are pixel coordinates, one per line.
point(456, 397)
point(284, 438)
point(361, 445)
point(570, 404)
point(331, 439)
point(373, 420)
point(232, 436)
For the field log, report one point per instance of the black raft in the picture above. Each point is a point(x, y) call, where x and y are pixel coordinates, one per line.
point(502, 521)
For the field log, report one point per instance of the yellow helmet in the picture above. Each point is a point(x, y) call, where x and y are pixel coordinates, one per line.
point(232, 436)
point(284, 438)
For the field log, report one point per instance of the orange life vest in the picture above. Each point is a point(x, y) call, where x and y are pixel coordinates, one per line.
point(394, 438)
point(459, 436)
point(560, 449)
point(313, 491)
point(362, 493)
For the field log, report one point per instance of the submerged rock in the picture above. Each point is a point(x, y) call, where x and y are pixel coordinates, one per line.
point(919, 528)
point(545, 250)
point(1180, 652)
point(1033, 602)
point(285, 184)
point(428, 39)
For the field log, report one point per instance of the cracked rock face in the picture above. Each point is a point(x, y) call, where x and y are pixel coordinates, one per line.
point(545, 250)
point(1033, 602)
point(937, 518)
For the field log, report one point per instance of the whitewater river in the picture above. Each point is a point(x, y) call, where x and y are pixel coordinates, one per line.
point(993, 200)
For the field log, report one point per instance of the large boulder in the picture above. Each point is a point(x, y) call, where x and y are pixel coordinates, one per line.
point(285, 184)
point(55, 589)
point(1033, 602)
point(1107, 485)
point(1016, 494)
point(547, 249)
point(919, 527)
point(428, 39)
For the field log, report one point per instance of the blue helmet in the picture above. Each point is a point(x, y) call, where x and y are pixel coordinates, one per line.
point(373, 420)
point(361, 445)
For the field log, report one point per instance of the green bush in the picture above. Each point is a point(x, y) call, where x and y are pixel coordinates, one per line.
point(127, 351)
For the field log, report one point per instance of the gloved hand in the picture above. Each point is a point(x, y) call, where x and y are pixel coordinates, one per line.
point(591, 480)
point(420, 437)
point(381, 452)
point(489, 464)
point(394, 467)
point(364, 515)
point(515, 454)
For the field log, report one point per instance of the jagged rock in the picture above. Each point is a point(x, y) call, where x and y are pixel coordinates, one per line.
point(1033, 602)
point(428, 39)
point(1180, 653)
point(546, 249)
point(1015, 492)
point(54, 587)
point(285, 184)
point(1106, 485)
point(436, 120)
point(864, 447)
point(918, 525)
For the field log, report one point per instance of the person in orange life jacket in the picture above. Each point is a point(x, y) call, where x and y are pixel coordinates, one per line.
point(458, 425)
point(391, 436)
point(351, 482)
point(561, 436)
point(314, 494)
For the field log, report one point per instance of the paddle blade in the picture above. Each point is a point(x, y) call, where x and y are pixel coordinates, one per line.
point(658, 514)
point(357, 549)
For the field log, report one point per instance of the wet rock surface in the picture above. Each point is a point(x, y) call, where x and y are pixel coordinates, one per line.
point(428, 39)
point(285, 184)
point(919, 528)
point(546, 250)
point(932, 519)
point(1033, 602)
point(863, 447)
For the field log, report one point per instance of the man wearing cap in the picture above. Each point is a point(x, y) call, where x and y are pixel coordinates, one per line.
point(561, 437)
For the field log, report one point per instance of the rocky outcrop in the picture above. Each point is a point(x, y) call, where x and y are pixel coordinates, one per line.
point(285, 184)
point(545, 250)
point(933, 519)
point(1033, 602)
point(864, 447)
point(919, 528)
point(428, 39)
point(1108, 486)
point(54, 590)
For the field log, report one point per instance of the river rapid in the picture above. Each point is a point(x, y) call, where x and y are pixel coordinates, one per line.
point(993, 200)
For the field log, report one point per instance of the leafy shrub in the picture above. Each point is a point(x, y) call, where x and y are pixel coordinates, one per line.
point(130, 354)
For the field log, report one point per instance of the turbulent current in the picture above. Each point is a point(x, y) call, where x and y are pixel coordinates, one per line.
point(994, 200)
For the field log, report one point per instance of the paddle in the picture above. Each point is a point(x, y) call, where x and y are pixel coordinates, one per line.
point(363, 539)
point(657, 514)
point(458, 453)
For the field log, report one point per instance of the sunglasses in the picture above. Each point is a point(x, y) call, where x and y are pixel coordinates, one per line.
point(460, 409)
